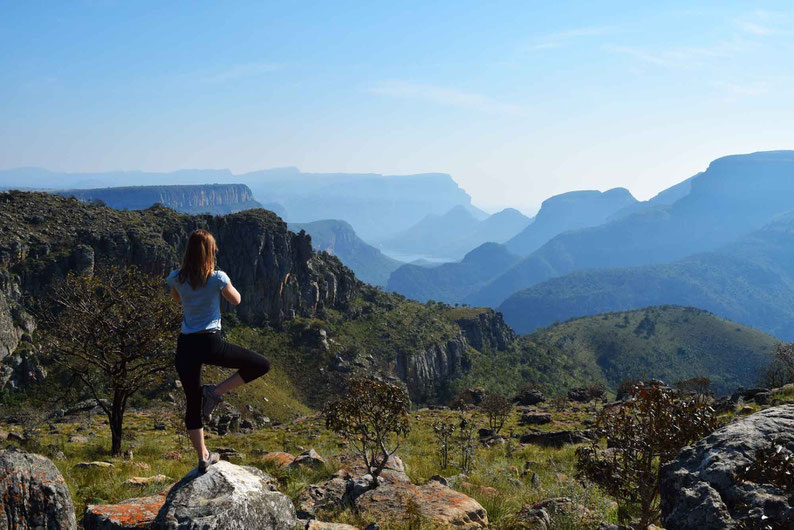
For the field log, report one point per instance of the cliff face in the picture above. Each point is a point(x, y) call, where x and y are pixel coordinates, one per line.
point(43, 236)
point(216, 199)
point(426, 373)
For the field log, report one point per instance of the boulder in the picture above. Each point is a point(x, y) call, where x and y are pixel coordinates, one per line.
point(130, 514)
point(308, 458)
point(145, 481)
point(327, 495)
point(580, 394)
point(279, 458)
point(529, 397)
point(434, 502)
point(319, 525)
point(33, 493)
point(353, 467)
point(226, 497)
point(533, 519)
point(700, 490)
point(535, 418)
point(557, 438)
point(94, 465)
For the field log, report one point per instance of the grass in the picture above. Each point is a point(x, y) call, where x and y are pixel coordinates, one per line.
point(496, 481)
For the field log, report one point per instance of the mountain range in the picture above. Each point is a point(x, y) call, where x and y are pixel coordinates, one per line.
point(338, 238)
point(455, 233)
point(733, 197)
point(377, 206)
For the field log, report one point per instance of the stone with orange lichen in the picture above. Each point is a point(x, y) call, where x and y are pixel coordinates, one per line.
point(433, 502)
point(33, 493)
point(280, 458)
point(132, 513)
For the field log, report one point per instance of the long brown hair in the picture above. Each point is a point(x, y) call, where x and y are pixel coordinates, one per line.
point(199, 261)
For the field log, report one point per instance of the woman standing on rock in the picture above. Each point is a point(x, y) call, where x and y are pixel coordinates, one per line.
point(198, 286)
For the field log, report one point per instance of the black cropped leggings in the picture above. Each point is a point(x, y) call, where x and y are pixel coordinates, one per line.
point(195, 349)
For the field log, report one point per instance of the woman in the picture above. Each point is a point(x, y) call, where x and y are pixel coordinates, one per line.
point(198, 286)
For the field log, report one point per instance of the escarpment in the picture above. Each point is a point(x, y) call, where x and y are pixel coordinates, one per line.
point(193, 199)
point(43, 237)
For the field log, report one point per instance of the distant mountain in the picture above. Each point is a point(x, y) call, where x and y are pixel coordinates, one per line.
point(377, 206)
point(339, 238)
point(569, 211)
point(669, 343)
point(216, 199)
point(456, 232)
point(733, 197)
point(749, 281)
point(451, 282)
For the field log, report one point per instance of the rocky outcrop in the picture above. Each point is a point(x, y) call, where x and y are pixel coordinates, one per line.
point(440, 505)
point(215, 199)
point(701, 488)
point(43, 237)
point(557, 438)
point(426, 372)
point(487, 330)
point(393, 499)
point(128, 515)
point(33, 493)
point(226, 497)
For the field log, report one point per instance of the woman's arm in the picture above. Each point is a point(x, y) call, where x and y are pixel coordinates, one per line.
point(175, 294)
point(231, 295)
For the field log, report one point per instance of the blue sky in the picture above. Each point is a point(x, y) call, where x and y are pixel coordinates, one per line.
point(517, 100)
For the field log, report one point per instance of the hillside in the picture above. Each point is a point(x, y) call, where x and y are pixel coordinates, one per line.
point(569, 211)
point(733, 197)
point(216, 199)
point(339, 238)
point(665, 342)
point(451, 282)
point(304, 309)
point(452, 235)
point(750, 281)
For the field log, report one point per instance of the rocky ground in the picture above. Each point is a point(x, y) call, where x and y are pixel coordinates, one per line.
point(298, 474)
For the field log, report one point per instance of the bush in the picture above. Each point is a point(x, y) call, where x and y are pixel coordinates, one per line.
point(695, 385)
point(643, 433)
point(497, 409)
point(371, 415)
point(780, 370)
point(444, 433)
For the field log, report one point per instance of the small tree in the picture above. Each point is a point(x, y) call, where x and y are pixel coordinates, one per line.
point(467, 442)
point(444, 433)
point(643, 433)
point(780, 370)
point(696, 385)
point(497, 408)
point(114, 333)
point(371, 415)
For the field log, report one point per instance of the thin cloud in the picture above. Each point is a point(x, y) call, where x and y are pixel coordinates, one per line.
point(445, 96)
point(686, 57)
point(561, 38)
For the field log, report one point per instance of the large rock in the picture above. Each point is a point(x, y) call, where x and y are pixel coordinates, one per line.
point(130, 514)
point(438, 504)
point(227, 497)
point(557, 438)
point(33, 493)
point(700, 490)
